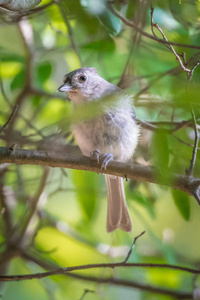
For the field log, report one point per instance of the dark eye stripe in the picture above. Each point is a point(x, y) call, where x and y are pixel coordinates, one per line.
point(66, 79)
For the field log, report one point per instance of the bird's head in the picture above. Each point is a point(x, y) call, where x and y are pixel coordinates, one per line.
point(82, 85)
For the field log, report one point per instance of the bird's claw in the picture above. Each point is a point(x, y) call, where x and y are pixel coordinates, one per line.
point(105, 159)
point(95, 155)
point(102, 159)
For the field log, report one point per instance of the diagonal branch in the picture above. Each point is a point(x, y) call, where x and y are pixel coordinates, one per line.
point(152, 37)
point(9, 119)
point(133, 245)
point(169, 46)
point(25, 232)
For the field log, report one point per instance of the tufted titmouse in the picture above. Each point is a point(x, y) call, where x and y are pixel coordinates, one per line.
point(111, 135)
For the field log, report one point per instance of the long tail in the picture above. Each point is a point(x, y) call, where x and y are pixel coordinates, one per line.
point(118, 216)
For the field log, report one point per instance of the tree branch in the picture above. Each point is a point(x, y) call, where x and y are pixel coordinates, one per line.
point(111, 280)
point(152, 37)
point(64, 271)
point(136, 285)
point(188, 184)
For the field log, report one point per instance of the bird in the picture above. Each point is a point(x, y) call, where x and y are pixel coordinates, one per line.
point(110, 135)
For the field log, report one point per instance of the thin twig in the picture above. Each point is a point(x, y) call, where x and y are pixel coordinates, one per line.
point(136, 285)
point(9, 119)
point(116, 281)
point(86, 291)
point(111, 280)
point(169, 46)
point(189, 73)
point(183, 142)
point(63, 271)
point(34, 206)
point(70, 31)
point(153, 25)
point(152, 37)
point(133, 245)
point(190, 170)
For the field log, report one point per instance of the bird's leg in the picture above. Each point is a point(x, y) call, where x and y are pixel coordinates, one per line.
point(95, 155)
point(102, 159)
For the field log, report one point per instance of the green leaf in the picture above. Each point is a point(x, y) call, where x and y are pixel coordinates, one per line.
point(18, 80)
point(182, 202)
point(43, 72)
point(160, 153)
point(143, 200)
point(86, 185)
point(105, 45)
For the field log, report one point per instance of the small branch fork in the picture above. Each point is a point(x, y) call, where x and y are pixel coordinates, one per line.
point(189, 72)
point(133, 245)
point(111, 280)
point(129, 23)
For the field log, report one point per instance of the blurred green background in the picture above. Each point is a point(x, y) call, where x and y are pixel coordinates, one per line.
point(56, 218)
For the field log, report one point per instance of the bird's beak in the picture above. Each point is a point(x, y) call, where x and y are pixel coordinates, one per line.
point(65, 88)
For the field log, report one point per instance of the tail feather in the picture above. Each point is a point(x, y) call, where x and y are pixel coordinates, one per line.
point(118, 216)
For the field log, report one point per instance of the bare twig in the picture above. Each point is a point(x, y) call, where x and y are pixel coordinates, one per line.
point(110, 280)
point(183, 142)
point(154, 126)
point(154, 25)
point(114, 281)
point(9, 119)
point(169, 46)
point(63, 271)
point(189, 171)
point(133, 245)
point(86, 291)
point(4, 198)
point(27, 43)
point(189, 73)
point(152, 37)
point(136, 285)
point(68, 25)
point(33, 208)
point(192, 70)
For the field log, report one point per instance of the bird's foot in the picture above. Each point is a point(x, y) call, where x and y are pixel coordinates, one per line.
point(102, 159)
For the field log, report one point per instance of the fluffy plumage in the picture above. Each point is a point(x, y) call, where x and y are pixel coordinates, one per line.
point(115, 131)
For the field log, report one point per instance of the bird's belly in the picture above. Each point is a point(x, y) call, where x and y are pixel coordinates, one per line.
point(107, 137)
point(85, 139)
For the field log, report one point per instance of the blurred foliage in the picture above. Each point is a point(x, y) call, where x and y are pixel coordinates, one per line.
point(68, 226)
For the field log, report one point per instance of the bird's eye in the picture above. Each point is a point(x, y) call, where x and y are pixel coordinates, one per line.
point(82, 78)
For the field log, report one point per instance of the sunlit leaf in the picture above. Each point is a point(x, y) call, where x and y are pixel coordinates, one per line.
point(66, 249)
point(10, 69)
